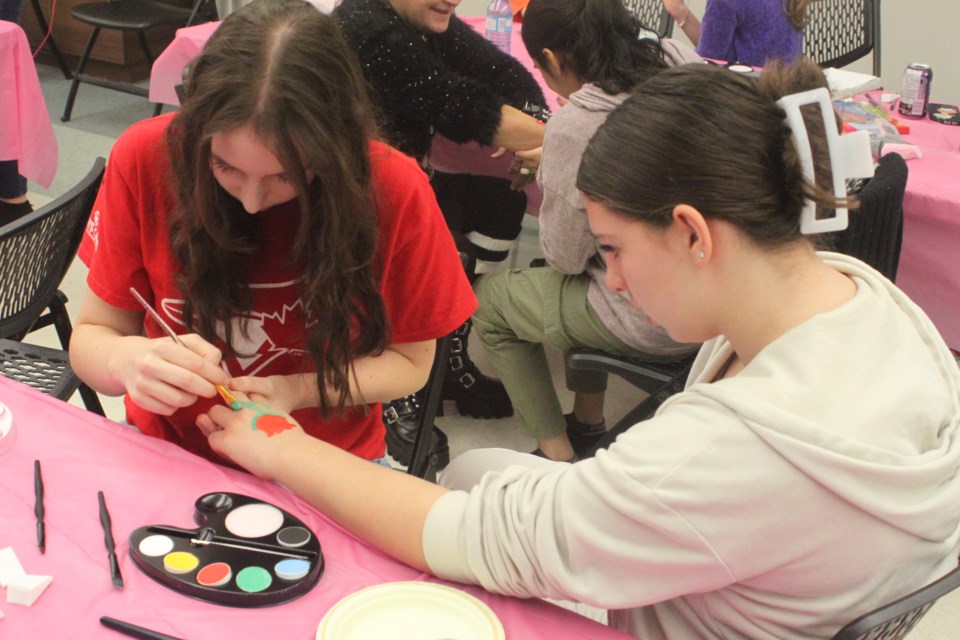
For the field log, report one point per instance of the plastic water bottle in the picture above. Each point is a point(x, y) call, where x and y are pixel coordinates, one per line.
point(500, 24)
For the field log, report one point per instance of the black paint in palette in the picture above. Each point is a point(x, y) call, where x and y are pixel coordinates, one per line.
point(245, 553)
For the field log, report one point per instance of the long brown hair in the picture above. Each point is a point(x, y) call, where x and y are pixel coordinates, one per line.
point(711, 138)
point(282, 68)
point(797, 11)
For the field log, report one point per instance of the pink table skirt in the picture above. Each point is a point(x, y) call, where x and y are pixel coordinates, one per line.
point(445, 155)
point(148, 481)
point(167, 70)
point(930, 258)
point(26, 134)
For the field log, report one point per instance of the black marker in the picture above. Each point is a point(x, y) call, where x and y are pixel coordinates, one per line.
point(38, 506)
point(108, 541)
point(133, 630)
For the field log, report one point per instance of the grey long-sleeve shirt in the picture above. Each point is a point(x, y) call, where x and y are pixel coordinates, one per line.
point(565, 238)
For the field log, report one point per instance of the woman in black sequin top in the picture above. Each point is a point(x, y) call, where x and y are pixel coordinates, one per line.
point(431, 73)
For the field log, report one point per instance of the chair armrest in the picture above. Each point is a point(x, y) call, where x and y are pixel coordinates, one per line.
point(648, 376)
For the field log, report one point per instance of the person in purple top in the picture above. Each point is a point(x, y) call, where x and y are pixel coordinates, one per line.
point(746, 31)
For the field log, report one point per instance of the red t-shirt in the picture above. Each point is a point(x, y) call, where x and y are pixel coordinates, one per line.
point(127, 245)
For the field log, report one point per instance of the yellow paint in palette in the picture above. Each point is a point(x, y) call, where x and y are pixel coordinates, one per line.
point(180, 562)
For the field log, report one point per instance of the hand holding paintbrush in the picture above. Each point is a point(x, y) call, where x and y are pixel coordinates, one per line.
point(222, 390)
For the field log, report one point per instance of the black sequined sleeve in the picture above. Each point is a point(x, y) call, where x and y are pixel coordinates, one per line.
point(416, 78)
point(467, 52)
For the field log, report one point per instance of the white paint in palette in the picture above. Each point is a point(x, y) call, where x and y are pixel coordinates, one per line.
point(254, 520)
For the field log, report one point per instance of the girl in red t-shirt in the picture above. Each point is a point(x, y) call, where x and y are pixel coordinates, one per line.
point(305, 264)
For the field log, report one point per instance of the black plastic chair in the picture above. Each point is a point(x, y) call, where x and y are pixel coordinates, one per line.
point(893, 621)
point(875, 230)
point(652, 15)
point(424, 462)
point(839, 32)
point(35, 253)
point(138, 16)
point(658, 380)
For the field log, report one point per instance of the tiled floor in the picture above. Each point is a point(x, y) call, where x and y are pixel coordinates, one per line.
point(98, 118)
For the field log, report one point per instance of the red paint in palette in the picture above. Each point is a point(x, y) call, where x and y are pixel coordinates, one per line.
point(215, 574)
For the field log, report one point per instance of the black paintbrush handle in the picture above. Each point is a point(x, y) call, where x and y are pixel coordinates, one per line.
point(108, 541)
point(133, 630)
point(38, 506)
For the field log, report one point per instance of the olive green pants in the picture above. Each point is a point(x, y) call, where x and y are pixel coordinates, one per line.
point(523, 310)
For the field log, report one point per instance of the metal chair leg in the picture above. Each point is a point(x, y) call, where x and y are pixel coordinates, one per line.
point(142, 37)
point(45, 28)
point(90, 399)
point(87, 50)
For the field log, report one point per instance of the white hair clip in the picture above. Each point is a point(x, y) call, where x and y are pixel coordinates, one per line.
point(849, 156)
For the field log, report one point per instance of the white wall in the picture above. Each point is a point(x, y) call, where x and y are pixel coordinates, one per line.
point(912, 31)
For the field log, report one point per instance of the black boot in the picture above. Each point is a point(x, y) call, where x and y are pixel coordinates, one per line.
point(583, 437)
point(476, 395)
point(10, 211)
point(401, 417)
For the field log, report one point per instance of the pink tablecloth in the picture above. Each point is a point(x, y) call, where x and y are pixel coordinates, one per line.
point(930, 259)
point(167, 70)
point(445, 155)
point(148, 481)
point(26, 134)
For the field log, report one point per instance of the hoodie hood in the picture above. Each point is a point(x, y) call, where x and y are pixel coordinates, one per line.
point(593, 98)
point(896, 460)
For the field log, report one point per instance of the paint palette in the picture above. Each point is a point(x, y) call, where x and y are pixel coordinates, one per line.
point(246, 553)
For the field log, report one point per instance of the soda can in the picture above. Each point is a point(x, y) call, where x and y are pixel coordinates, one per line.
point(915, 90)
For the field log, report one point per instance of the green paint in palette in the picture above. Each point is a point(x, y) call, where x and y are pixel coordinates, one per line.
point(254, 579)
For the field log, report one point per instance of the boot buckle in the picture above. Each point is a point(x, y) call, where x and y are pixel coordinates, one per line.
point(456, 346)
point(467, 380)
point(390, 415)
point(456, 363)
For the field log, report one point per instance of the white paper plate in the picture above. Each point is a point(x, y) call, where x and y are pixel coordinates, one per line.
point(410, 611)
point(6, 428)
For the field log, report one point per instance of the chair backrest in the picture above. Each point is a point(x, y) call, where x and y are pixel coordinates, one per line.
point(893, 621)
point(37, 250)
point(839, 32)
point(875, 230)
point(422, 462)
point(652, 15)
point(203, 11)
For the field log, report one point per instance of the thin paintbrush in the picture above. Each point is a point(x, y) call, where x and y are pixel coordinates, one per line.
point(245, 547)
point(108, 542)
point(222, 390)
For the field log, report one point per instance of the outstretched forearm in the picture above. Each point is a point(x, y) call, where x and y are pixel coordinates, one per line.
point(685, 19)
point(401, 369)
point(379, 505)
point(517, 130)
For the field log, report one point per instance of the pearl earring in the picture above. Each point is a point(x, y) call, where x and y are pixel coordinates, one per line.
point(701, 255)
